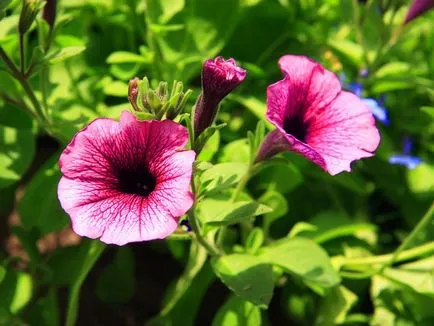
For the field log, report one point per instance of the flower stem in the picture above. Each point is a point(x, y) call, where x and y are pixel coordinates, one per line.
point(386, 259)
point(241, 185)
point(422, 224)
point(194, 223)
point(24, 83)
point(22, 54)
point(93, 251)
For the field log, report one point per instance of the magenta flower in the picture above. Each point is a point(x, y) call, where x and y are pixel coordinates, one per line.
point(418, 8)
point(126, 181)
point(219, 78)
point(315, 118)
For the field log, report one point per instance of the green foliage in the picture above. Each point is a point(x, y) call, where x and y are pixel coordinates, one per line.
point(290, 254)
point(238, 312)
point(247, 276)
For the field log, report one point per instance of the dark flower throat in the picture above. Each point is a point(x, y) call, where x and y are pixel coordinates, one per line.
point(296, 127)
point(136, 182)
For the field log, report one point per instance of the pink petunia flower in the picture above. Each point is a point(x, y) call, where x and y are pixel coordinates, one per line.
point(219, 78)
point(315, 118)
point(126, 181)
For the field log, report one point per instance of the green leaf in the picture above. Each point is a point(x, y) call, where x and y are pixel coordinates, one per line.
point(120, 269)
point(279, 205)
point(335, 306)
point(211, 147)
point(45, 311)
point(247, 276)
point(254, 105)
point(394, 301)
point(47, 216)
point(238, 312)
point(196, 261)
point(301, 227)
point(222, 176)
point(421, 180)
point(17, 147)
point(418, 275)
point(15, 290)
point(393, 68)
point(204, 137)
point(280, 176)
point(332, 225)
point(197, 30)
point(218, 211)
point(254, 240)
point(240, 147)
point(290, 254)
point(64, 53)
point(90, 251)
point(127, 57)
point(347, 50)
point(116, 88)
point(191, 301)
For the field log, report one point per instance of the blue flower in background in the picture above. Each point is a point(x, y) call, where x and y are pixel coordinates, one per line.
point(377, 106)
point(405, 158)
point(378, 111)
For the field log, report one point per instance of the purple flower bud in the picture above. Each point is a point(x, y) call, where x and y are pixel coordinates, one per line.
point(219, 78)
point(418, 8)
point(49, 12)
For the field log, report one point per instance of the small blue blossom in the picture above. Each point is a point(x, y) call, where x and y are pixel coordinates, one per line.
point(406, 160)
point(356, 88)
point(377, 107)
point(378, 111)
point(408, 146)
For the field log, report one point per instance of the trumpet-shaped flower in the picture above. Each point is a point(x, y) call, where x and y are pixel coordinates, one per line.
point(126, 181)
point(315, 118)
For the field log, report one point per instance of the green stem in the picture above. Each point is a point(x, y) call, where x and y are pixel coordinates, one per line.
point(194, 223)
point(422, 224)
point(179, 236)
point(241, 185)
point(24, 83)
point(22, 54)
point(44, 88)
point(17, 103)
point(424, 249)
point(93, 252)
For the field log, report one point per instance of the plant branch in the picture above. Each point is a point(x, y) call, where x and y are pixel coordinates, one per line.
point(22, 54)
point(422, 224)
point(194, 223)
point(424, 249)
point(24, 83)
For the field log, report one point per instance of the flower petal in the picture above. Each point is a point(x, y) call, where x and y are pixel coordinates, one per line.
point(115, 217)
point(311, 87)
point(344, 132)
point(278, 141)
point(104, 145)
